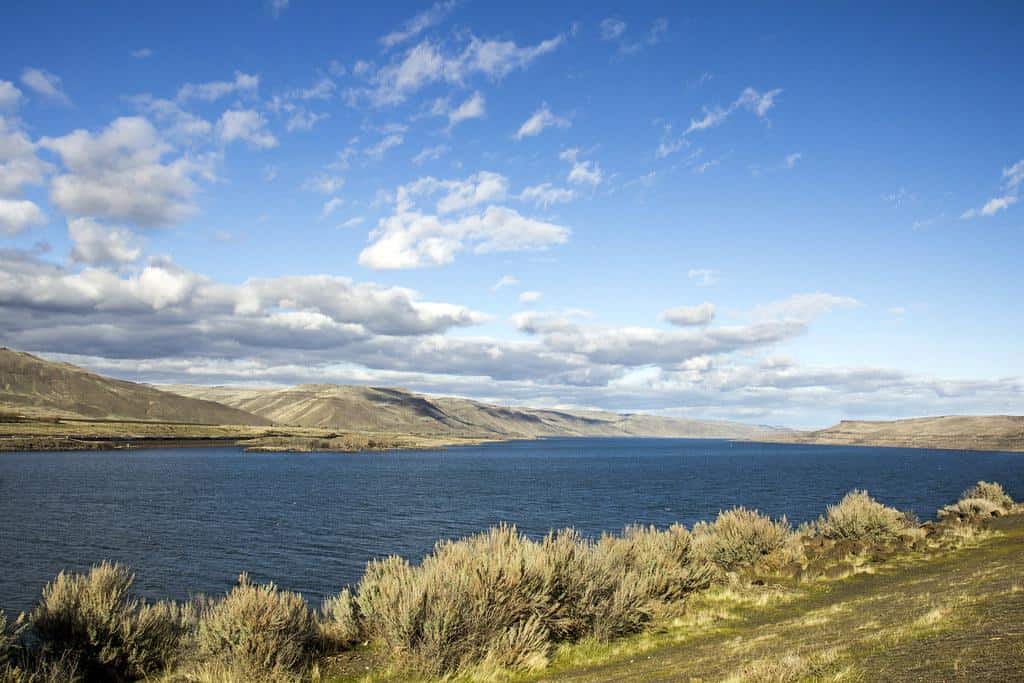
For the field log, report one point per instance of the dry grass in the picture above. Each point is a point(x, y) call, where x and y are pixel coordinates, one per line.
point(990, 491)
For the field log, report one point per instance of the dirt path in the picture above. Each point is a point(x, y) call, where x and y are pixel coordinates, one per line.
point(954, 617)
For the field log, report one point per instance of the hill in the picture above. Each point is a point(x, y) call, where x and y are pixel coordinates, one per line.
point(957, 432)
point(376, 409)
point(32, 386)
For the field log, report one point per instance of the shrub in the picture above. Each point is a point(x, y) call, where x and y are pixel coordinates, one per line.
point(339, 621)
point(740, 537)
point(990, 491)
point(971, 508)
point(92, 618)
point(258, 628)
point(859, 517)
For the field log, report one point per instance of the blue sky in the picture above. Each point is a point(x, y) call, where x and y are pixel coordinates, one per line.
point(787, 216)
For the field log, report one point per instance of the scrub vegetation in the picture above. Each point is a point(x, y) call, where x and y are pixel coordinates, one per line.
point(496, 605)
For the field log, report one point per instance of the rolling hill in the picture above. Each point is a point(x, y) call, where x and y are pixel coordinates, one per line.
point(957, 432)
point(32, 386)
point(376, 409)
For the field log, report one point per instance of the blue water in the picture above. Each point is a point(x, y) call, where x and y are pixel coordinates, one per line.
point(190, 520)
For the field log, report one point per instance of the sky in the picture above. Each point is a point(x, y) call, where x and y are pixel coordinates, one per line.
point(785, 215)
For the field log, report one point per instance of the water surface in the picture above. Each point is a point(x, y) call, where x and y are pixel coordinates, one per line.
point(189, 520)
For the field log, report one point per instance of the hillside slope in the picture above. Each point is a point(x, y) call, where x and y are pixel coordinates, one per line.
point(373, 409)
point(33, 386)
point(958, 432)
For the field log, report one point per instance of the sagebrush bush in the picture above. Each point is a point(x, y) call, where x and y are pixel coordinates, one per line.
point(740, 537)
point(93, 618)
point(990, 491)
point(258, 628)
point(971, 508)
point(859, 517)
point(339, 621)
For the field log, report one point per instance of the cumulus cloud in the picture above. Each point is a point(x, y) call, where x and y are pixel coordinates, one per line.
point(473, 108)
point(331, 205)
point(246, 125)
point(19, 165)
point(540, 120)
point(529, 297)
point(414, 240)
point(685, 316)
point(427, 63)
point(119, 174)
point(426, 19)
point(457, 195)
point(387, 142)
point(10, 96)
point(19, 214)
point(44, 83)
point(96, 244)
point(1013, 177)
point(803, 307)
point(214, 90)
point(547, 194)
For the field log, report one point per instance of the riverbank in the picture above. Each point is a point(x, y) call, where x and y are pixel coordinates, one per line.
point(18, 433)
point(863, 593)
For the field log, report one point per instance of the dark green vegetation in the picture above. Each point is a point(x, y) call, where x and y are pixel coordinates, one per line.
point(864, 593)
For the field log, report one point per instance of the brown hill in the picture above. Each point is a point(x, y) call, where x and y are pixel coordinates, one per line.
point(32, 386)
point(957, 432)
point(377, 409)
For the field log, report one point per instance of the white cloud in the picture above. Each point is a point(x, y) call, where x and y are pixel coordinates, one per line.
point(214, 90)
point(44, 83)
point(547, 194)
point(324, 183)
point(430, 154)
point(539, 121)
point(142, 53)
point(612, 28)
point(685, 316)
point(472, 108)
point(505, 281)
point(246, 125)
point(19, 165)
point(791, 159)
point(803, 307)
point(750, 99)
point(1012, 179)
point(10, 96)
point(529, 297)
point(353, 222)
point(176, 123)
point(479, 188)
point(277, 7)
point(19, 214)
point(425, 64)
point(331, 205)
point(413, 240)
point(658, 31)
point(426, 19)
point(703, 277)
point(96, 244)
point(119, 174)
point(585, 173)
point(387, 142)
point(303, 120)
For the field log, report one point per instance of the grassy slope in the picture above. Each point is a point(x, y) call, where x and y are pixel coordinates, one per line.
point(956, 616)
point(952, 616)
point(958, 432)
